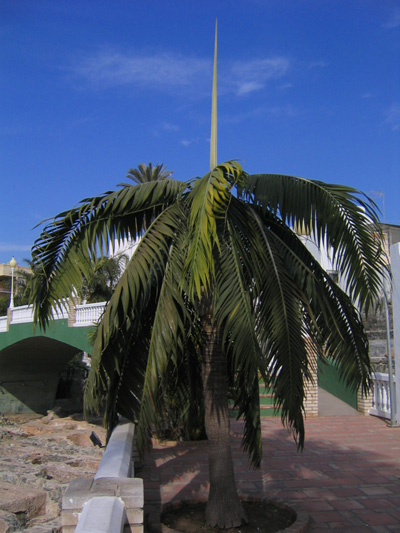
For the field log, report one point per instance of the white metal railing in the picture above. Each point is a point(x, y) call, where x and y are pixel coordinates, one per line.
point(89, 314)
point(381, 396)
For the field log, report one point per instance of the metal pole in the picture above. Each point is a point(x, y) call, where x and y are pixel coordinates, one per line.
point(393, 418)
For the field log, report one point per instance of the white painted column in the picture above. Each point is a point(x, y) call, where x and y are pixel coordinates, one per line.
point(395, 264)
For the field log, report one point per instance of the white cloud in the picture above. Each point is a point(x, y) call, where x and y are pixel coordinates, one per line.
point(250, 76)
point(10, 247)
point(246, 87)
point(163, 127)
point(188, 142)
point(166, 126)
point(317, 64)
point(393, 21)
point(392, 116)
point(285, 111)
point(166, 71)
point(287, 86)
point(171, 72)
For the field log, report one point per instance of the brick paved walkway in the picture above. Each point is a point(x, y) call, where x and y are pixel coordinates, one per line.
point(347, 478)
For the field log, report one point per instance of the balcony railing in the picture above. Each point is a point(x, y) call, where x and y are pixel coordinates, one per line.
point(381, 396)
point(22, 315)
point(88, 314)
point(85, 315)
point(3, 324)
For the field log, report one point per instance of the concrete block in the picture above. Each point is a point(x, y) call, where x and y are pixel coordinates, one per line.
point(106, 486)
point(134, 516)
point(132, 492)
point(69, 529)
point(133, 529)
point(129, 490)
point(117, 458)
point(76, 494)
point(70, 517)
point(102, 514)
point(95, 504)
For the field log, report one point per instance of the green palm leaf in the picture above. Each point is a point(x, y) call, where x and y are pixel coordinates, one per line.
point(67, 244)
point(339, 216)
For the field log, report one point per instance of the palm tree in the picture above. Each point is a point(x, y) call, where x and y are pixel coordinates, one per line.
point(220, 290)
point(103, 278)
point(145, 173)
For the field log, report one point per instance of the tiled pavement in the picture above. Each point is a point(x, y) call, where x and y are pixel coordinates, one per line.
point(347, 478)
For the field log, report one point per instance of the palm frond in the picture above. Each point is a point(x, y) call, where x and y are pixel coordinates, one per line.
point(331, 319)
point(67, 245)
point(234, 311)
point(280, 330)
point(336, 215)
point(209, 199)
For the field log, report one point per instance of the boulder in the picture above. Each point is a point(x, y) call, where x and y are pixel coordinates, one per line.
point(22, 500)
point(9, 522)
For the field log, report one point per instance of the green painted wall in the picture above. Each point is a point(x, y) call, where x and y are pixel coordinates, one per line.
point(31, 361)
point(329, 380)
point(28, 397)
point(58, 329)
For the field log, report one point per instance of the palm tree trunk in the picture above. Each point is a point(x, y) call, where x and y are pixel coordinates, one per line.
point(224, 509)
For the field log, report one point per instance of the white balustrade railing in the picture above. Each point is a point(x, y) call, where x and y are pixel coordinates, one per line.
point(381, 396)
point(3, 324)
point(86, 315)
point(60, 313)
point(22, 314)
point(89, 314)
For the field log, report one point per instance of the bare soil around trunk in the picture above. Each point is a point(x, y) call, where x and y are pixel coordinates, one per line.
point(264, 517)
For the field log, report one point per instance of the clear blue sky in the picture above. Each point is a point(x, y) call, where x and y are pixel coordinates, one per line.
point(91, 88)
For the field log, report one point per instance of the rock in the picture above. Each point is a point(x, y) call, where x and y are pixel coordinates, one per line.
point(42, 455)
point(81, 439)
point(27, 501)
point(50, 527)
point(9, 522)
point(60, 472)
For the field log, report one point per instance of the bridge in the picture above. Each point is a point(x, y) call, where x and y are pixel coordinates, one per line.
point(31, 359)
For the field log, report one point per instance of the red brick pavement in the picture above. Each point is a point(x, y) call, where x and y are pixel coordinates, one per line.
point(347, 478)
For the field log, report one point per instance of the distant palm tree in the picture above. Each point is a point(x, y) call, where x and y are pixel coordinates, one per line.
point(100, 283)
point(145, 173)
point(23, 284)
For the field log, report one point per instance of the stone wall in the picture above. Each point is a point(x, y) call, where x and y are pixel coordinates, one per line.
point(311, 385)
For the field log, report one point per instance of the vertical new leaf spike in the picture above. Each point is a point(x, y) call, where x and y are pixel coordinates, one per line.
point(213, 146)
